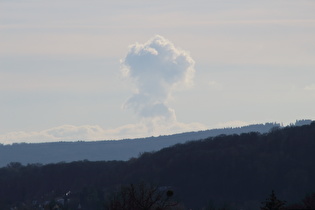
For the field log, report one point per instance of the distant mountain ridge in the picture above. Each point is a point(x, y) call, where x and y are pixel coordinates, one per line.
point(44, 153)
point(235, 171)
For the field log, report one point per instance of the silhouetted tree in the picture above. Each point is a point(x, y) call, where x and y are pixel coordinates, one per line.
point(309, 201)
point(273, 203)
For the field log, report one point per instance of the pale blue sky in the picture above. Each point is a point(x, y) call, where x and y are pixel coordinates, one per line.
point(60, 70)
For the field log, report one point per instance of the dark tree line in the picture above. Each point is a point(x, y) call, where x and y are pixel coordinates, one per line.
point(231, 170)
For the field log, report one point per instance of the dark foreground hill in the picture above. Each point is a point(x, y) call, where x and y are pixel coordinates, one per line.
point(239, 171)
point(110, 150)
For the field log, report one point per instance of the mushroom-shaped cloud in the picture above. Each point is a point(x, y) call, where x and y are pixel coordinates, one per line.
point(156, 67)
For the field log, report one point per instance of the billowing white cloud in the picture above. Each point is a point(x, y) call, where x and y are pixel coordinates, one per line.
point(60, 133)
point(157, 67)
point(95, 132)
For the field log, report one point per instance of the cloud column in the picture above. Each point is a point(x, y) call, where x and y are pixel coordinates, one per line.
point(157, 67)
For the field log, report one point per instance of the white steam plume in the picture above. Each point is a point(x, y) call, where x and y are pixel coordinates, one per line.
point(156, 67)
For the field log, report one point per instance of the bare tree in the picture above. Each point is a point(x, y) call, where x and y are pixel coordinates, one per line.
point(142, 197)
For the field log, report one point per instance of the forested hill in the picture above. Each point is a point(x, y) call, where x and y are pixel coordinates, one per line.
point(236, 170)
point(110, 150)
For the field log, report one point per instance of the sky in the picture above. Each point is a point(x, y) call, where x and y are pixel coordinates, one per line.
point(102, 70)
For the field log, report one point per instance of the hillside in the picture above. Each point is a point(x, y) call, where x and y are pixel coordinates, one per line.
point(234, 170)
point(109, 150)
